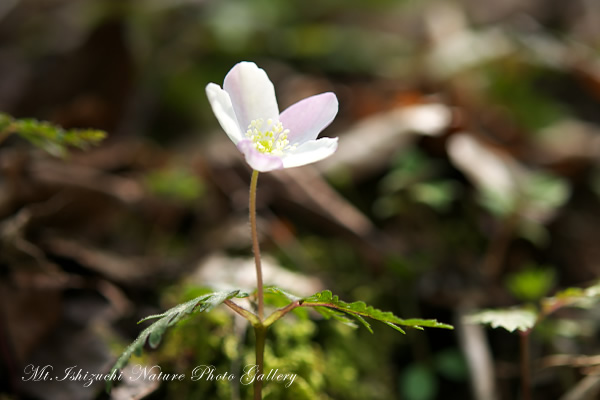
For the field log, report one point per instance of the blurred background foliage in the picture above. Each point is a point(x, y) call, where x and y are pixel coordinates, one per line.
point(467, 178)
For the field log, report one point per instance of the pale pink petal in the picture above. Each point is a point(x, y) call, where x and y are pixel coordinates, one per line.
point(252, 94)
point(308, 117)
point(310, 152)
point(259, 161)
point(221, 105)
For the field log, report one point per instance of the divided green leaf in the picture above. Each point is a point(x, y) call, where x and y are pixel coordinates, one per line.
point(281, 293)
point(153, 334)
point(524, 319)
point(49, 137)
point(510, 319)
point(339, 316)
point(572, 297)
point(331, 306)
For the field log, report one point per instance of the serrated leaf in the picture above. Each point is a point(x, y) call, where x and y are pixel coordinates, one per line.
point(397, 328)
point(281, 293)
point(153, 334)
point(328, 313)
point(572, 297)
point(365, 323)
point(510, 319)
point(51, 138)
point(360, 310)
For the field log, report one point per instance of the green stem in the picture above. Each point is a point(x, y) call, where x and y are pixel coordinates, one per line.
point(280, 313)
point(255, 247)
point(261, 334)
point(259, 328)
point(249, 315)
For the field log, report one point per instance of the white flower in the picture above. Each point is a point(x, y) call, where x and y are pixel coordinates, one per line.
point(247, 110)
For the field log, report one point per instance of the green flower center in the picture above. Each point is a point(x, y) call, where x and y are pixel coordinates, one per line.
point(269, 138)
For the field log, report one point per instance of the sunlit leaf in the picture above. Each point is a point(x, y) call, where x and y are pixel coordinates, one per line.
point(331, 306)
point(280, 298)
point(510, 319)
point(531, 284)
point(282, 293)
point(51, 138)
point(572, 297)
point(153, 334)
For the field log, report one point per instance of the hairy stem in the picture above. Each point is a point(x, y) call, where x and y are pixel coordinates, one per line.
point(255, 247)
point(259, 328)
point(261, 334)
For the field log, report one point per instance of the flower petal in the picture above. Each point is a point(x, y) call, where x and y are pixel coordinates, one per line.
point(307, 118)
point(221, 105)
point(310, 152)
point(252, 94)
point(257, 160)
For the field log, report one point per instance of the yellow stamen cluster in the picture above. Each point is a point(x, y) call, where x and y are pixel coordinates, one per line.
point(272, 140)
